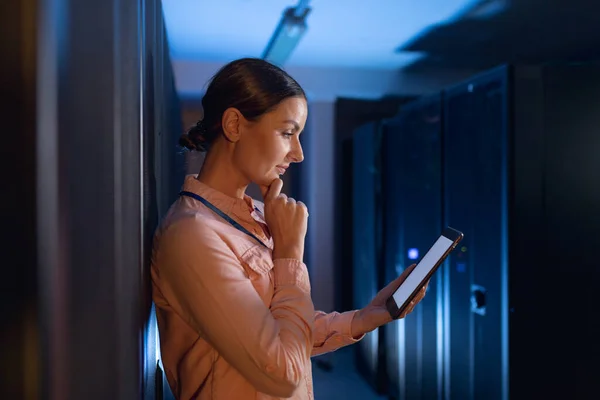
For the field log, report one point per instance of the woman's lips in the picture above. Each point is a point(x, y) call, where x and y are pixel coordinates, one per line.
point(281, 169)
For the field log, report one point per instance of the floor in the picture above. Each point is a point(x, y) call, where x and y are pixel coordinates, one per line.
point(342, 381)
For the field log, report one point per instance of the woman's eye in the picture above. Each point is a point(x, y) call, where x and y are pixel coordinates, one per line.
point(288, 134)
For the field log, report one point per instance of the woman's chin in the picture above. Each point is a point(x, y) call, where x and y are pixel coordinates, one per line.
point(267, 179)
point(274, 174)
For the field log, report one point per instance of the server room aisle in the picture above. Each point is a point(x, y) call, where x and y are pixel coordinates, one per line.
point(343, 382)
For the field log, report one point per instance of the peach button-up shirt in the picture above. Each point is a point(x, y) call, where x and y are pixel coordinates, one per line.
point(234, 323)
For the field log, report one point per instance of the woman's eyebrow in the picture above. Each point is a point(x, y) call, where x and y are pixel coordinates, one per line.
point(290, 121)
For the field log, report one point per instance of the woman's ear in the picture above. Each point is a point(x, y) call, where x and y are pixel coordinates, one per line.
point(232, 124)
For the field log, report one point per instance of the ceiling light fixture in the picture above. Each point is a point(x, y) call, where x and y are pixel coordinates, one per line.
point(288, 33)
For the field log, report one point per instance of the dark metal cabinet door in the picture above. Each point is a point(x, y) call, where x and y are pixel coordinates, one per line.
point(411, 188)
point(475, 196)
point(364, 246)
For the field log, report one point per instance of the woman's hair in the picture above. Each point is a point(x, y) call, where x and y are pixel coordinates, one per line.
point(251, 85)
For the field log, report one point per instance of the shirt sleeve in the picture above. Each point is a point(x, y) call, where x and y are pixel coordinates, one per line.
point(332, 331)
point(207, 285)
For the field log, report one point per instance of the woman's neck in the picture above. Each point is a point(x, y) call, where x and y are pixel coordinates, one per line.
point(219, 173)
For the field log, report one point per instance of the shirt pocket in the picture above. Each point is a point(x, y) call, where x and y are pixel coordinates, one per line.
point(258, 263)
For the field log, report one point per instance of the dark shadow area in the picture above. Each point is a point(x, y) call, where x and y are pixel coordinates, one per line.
point(526, 32)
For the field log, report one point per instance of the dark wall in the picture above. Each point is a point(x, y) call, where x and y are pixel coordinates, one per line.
point(84, 115)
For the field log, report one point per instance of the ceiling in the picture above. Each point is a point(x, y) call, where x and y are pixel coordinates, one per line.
point(350, 33)
point(372, 48)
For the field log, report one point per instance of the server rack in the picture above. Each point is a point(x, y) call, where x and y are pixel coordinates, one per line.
point(522, 177)
point(366, 242)
point(475, 193)
point(412, 218)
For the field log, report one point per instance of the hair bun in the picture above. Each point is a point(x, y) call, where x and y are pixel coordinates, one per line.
point(195, 138)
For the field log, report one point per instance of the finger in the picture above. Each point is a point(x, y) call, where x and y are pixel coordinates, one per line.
point(420, 294)
point(412, 305)
point(291, 200)
point(263, 190)
point(303, 206)
point(426, 286)
point(407, 310)
point(273, 190)
point(395, 284)
point(405, 274)
point(410, 309)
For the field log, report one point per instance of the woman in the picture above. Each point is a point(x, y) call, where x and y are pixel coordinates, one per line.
point(232, 294)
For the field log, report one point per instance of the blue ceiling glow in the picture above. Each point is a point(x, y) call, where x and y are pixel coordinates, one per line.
point(351, 33)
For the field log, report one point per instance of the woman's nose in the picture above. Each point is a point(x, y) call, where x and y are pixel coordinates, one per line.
point(297, 155)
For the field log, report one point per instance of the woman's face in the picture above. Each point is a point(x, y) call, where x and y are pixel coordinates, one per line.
point(268, 146)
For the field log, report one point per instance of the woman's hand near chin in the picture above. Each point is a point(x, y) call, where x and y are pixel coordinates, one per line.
point(287, 220)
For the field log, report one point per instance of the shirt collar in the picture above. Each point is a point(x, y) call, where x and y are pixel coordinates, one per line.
point(242, 208)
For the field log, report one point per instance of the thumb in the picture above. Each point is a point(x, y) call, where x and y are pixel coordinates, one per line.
point(405, 274)
point(395, 284)
point(391, 287)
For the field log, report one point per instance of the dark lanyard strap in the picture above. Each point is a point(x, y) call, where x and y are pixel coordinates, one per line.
point(222, 215)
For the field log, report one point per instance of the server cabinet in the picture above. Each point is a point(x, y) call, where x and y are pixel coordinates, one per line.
point(366, 242)
point(412, 220)
point(475, 155)
point(521, 179)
